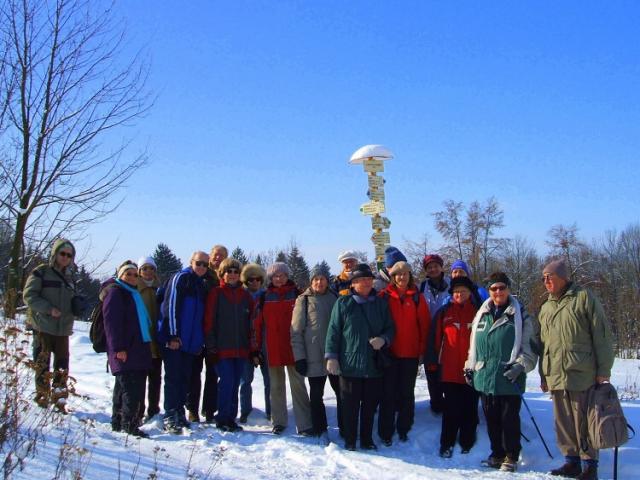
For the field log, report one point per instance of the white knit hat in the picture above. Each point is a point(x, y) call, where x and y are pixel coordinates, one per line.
point(142, 261)
point(346, 255)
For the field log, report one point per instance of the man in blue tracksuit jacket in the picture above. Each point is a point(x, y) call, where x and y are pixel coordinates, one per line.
point(180, 332)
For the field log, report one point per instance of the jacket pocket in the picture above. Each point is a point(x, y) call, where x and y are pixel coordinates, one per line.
point(578, 358)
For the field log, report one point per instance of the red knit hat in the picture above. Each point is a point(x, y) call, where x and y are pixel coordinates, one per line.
point(433, 257)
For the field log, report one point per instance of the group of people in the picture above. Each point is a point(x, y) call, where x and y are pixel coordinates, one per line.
point(366, 332)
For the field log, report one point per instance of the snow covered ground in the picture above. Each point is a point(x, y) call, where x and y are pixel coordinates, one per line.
point(257, 454)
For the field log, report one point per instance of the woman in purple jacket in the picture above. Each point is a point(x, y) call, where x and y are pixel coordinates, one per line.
point(126, 325)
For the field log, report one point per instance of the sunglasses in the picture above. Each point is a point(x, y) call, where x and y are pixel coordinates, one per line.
point(499, 288)
point(254, 279)
point(200, 263)
point(65, 254)
point(232, 270)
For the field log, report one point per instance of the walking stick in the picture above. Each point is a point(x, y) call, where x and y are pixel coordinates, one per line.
point(525, 437)
point(533, 420)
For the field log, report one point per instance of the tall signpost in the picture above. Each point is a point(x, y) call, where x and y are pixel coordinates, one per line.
point(372, 158)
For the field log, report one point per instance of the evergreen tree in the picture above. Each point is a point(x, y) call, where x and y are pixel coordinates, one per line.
point(281, 257)
point(259, 261)
point(239, 255)
point(166, 261)
point(299, 268)
point(323, 267)
point(89, 287)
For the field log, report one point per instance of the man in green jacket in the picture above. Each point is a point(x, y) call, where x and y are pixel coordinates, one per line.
point(48, 293)
point(360, 326)
point(577, 352)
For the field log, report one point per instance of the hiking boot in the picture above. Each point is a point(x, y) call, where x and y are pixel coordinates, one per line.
point(509, 465)
point(492, 462)
point(446, 452)
point(136, 432)
point(464, 451)
point(403, 437)
point(589, 472)
point(116, 427)
point(368, 446)
point(41, 400)
point(194, 417)
point(569, 470)
point(309, 432)
point(243, 418)
point(277, 429)
point(172, 425)
point(386, 442)
point(350, 446)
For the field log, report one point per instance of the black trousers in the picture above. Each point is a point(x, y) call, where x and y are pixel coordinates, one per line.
point(316, 394)
point(128, 395)
point(399, 382)
point(360, 398)
point(503, 424)
point(460, 415)
point(210, 394)
point(436, 396)
point(154, 381)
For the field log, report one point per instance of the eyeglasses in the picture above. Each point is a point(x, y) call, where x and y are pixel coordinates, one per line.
point(200, 263)
point(232, 271)
point(145, 268)
point(65, 254)
point(130, 274)
point(548, 276)
point(498, 288)
point(254, 279)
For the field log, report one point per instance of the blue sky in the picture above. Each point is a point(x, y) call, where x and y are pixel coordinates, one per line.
point(260, 105)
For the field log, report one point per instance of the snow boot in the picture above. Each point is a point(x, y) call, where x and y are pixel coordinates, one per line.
point(569, 470)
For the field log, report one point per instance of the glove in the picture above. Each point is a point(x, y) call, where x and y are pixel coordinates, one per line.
point(257, 358)
point(301, 367)
point(377, 342)
point(512, 371)
point(212, 357)
point(333, 366)
point(468, 376)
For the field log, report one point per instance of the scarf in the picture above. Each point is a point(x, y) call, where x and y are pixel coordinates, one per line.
point(517, 321)
point(141, 310)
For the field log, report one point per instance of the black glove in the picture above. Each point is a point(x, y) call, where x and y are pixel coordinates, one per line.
point(301, 367)
point(468, 376)
point(256, 358)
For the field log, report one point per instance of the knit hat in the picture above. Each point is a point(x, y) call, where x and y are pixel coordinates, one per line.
point(460, 282)
point(558, 267)
point(498, 277)
point(142, 261)
point(393, 255)
point(126, 265)
point(399, 267)
point(346, 255)
point(252, 270)
point(362, 270)
point(460, 265)
point(58, 245)
point(278, 267)
point(433, 257)
point(317, 271)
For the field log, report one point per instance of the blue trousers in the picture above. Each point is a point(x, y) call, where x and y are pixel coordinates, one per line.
point(230, 372)
point(177, 375)
point(246, 392)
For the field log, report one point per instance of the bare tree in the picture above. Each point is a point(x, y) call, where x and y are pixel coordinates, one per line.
point(449, 225)
point(492, 218)
point(67, 91)
point(524, 266)
point(415, 251)
point(565, 243)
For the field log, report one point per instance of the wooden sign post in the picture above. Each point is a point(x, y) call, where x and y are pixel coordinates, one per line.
point(372, 158)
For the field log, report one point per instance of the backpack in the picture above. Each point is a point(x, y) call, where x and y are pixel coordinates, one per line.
point(97, 334)
point(606, 423)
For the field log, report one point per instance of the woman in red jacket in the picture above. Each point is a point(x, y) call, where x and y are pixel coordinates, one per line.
point(411, 318)
point(453, 333)
point(272, 329)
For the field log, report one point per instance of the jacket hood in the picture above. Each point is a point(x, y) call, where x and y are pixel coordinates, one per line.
point(57, 245)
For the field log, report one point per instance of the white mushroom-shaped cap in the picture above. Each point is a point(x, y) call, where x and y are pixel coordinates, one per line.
point(379, 152)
